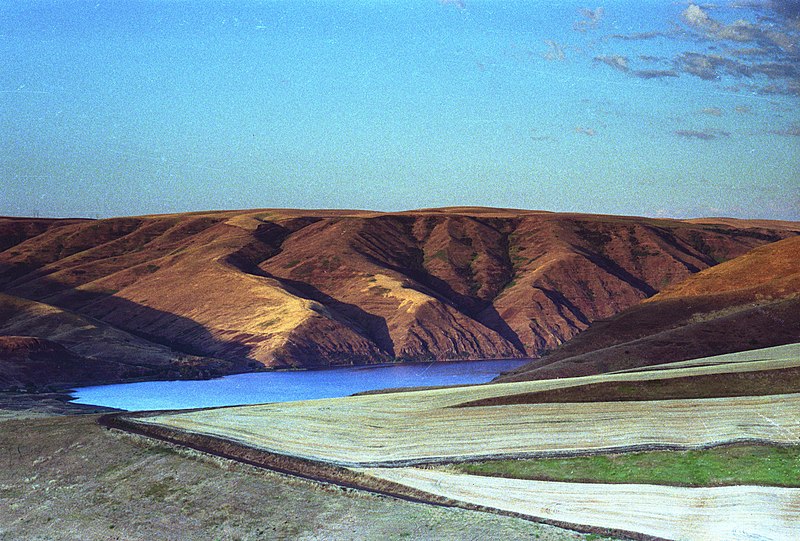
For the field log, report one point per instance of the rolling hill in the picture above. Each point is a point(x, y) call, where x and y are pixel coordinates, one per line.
point(300, 288)
point(750, 302)
point(45, 347)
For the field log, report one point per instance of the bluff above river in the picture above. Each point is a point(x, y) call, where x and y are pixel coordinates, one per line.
point(201, 294)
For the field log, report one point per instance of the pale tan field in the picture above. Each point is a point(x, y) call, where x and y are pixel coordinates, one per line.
point(383, 434)
point(414, 427)
point(772, 357)
point(719, 513)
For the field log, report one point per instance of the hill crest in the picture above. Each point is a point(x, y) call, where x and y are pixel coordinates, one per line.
point(294, 288)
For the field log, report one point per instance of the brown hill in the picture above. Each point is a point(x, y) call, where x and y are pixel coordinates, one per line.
point(72, 350)
point(318, 288)
point(750, 302)
point(27, 362)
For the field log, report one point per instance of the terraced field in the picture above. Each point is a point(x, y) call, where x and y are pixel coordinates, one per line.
point(383, 435)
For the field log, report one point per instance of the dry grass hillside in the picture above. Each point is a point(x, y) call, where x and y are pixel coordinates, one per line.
point(750, 302)
point(42, 346)
point(288, 288)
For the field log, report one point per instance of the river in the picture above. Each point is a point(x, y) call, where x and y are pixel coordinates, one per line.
point(286, 386)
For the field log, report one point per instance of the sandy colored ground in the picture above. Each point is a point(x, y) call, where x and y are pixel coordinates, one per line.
point(361, 432)
point(414, 427)
point(65, 478)
point(382, 434)
point(721, 513)
point(775, 357)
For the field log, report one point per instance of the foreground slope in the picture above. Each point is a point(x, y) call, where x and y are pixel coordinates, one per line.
point(385, 436)
point(318, 288)
point(752, 301)
point(93, 484)
point(641, 511)
point(394, 429)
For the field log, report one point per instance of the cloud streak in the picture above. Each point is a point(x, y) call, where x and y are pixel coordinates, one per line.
point(791, 131)
point(765, 50)
point(458, 4)
point(555, 52)
point(615, 61)
point(704, 135)
point(712, 111)
point(641, 36)
point(653, 74)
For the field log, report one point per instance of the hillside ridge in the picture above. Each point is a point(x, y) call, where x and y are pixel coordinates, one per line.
point(750, 302)
point(304, 289)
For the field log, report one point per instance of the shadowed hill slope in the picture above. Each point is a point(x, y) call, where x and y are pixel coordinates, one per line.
point(750, 302)
point(318, 288)
point(24, 361)
point(44, 346)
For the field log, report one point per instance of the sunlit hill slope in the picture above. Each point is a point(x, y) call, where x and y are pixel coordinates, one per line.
point(283, 288)
point(750, 302)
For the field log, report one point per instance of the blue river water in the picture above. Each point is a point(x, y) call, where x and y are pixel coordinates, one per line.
point(263, 387)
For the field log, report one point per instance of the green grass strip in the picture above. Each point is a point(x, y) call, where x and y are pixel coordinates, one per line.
point(719, 466)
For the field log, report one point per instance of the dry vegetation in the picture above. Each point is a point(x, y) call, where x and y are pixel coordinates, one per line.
point(65, 478)
point(378, 430)
point(200, 294)
point(775, 370)
point(721, 513)
point(749, 302)
point(397, 428)
point(380, 435)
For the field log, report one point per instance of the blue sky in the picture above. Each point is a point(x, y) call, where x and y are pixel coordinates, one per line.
point(645, 108)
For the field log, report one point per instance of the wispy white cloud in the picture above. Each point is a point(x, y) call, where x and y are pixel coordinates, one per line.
point(555, 52)
point(591, 132)
point(712, 111)
point(616, 61)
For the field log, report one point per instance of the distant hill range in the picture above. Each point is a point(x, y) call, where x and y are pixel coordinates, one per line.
point(203, 294)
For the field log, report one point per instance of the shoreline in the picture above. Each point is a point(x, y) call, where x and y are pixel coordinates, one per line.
point(22, 405)
point(355, 380)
